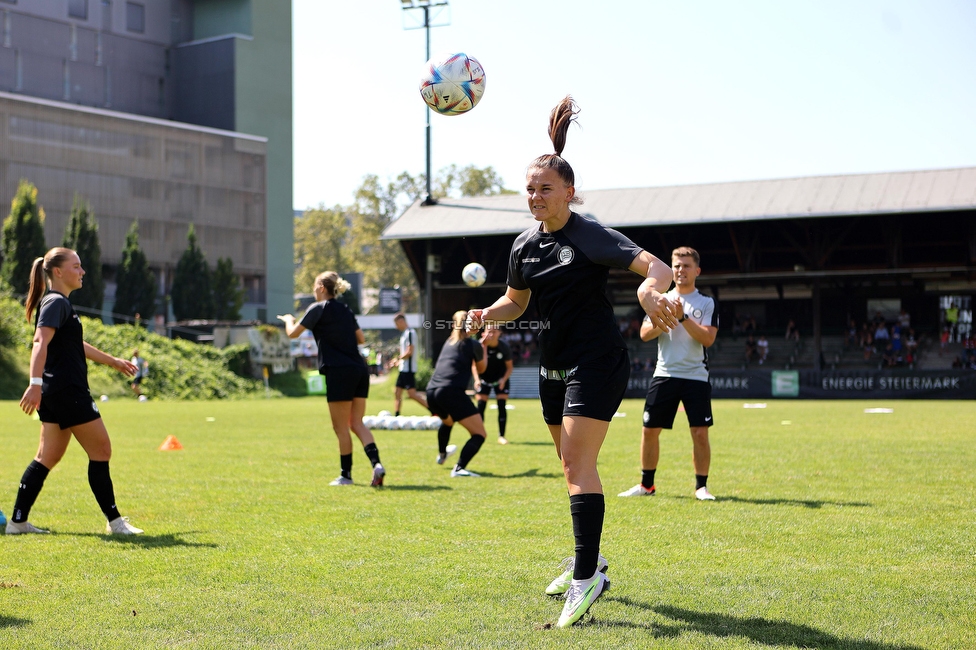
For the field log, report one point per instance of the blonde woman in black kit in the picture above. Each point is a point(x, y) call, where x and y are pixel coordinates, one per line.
point(59, 391)
point(337, 334)
point(563, 262)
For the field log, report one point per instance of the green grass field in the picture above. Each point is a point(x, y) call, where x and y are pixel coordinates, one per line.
point(838, 530)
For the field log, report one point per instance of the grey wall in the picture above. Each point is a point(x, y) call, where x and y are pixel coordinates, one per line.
point(205, 92)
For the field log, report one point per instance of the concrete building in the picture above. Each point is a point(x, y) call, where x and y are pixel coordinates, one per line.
point(167, 111)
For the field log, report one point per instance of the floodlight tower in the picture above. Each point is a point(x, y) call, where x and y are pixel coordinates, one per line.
point(432, 10)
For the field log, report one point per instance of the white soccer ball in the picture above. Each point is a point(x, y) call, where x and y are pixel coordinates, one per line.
point(414, 422)
point(396, 423)
point(384, 414)
point(474, 275)
point(369, 421)
point(434, 422)
point(143, 398)
point(453, 83)
point(384, 421)
point(104, 398)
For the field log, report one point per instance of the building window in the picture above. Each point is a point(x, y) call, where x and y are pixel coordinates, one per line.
point(135, 17)
point(78, 9)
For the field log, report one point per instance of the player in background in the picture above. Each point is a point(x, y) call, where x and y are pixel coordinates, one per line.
point(446, 397)
point(406, 380)
point(681, 375)
point(142, 370)
point(59, 391)
point(495, 377)
point(337, 334)
point(563, 263)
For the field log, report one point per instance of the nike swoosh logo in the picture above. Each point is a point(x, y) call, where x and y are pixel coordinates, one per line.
point(548, 244)
point(707, 419)
point(572, 405)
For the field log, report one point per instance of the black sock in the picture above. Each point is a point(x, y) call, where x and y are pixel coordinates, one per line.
point(502, 417)
point(700, 480)
point(587, 511)
point(345, 466)
point(482, 406)
point(30, 486)
point(647, 478)
point(444, 437)
point(470, 448)
point(101, 486)
point(397, 414)
point(372, 453)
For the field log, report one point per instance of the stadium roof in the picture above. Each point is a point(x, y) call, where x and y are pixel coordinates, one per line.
point(788, 198)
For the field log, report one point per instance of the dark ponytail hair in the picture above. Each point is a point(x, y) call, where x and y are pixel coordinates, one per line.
point(560, 118)
point(41, 274)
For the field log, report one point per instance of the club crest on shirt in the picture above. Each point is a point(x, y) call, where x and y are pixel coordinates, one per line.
point(697, 313)
point(499, 355)
point(565, 255)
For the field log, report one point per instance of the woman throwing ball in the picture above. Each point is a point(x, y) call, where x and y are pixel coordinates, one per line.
point(446, 397)
point(59, 391)
point(564, 263)
point(337, 334)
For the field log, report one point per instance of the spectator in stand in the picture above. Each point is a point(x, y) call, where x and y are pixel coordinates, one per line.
point(896, 346)
point(751, 349)
point(792, 331)
point(867, 341)
point(888, 358)
point(881, 337)
point(762, 346)
point(944, 339)
point(952, 318)
point(911, 348)
point(749, 325)
point(904, 320)
point(852, 334)
point(736, 327)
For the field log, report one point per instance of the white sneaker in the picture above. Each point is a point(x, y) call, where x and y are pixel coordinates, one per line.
point(460, 471)
point(342, 480)
point(121, 526)
point(581, 595)
point(378, 474)
point(638, 491)
point(702, 494)
point(560, 584)
point(450, 452)
point(502, 440)
point(23, 528)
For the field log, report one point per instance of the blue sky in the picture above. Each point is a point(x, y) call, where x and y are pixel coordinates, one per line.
point(671, 92)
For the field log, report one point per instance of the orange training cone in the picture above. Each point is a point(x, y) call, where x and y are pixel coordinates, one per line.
point(170, 444)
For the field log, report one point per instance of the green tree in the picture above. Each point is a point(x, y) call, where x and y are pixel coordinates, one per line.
point(320, 235)
point(228, 295)
point(23, 237)
point(191, 292)
point(135, 291)
point(469, 181)
point(81, 235)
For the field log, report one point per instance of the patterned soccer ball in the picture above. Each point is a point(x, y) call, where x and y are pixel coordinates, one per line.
point(452, 84)
point(474, 275)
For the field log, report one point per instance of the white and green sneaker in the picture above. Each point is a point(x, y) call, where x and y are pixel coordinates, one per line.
point(561, 584)
point(342, 480)
point(581, 596)
point(23, 528)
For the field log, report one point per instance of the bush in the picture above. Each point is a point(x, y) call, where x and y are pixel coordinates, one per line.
point(238, 359)
point(425, 370)
point(289, 384)
point(15, 340)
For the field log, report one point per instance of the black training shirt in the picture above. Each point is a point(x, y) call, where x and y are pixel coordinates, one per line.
point(567, 272)
point(453, 367)
point(497, 357)
point(65, 366)
point(334, 327)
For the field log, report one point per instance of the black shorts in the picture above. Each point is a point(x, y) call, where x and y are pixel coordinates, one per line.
point(406, 380)
point(447, 401)
point(594, 390)
point(68, 408)
point(486, 388)
point(663, 397)
point(343, 383)
point(137, 380)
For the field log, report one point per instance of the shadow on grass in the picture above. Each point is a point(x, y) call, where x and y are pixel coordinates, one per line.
point(417, 488)
point(759, 630)
point(806, 503)
point(530, 473)
point(531, 443)
point(147, 541)
point(13, 621)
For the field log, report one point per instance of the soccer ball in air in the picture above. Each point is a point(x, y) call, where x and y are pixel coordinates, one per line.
point(474, 275)
point(452, 84)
